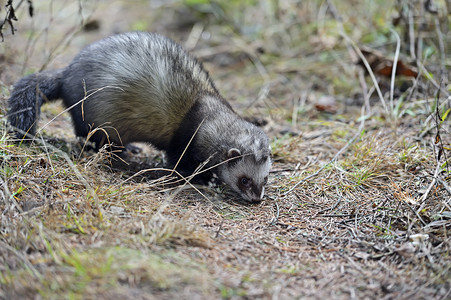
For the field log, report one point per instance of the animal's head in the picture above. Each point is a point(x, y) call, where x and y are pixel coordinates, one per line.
point(246, 171)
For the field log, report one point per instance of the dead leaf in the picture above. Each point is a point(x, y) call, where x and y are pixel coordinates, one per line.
point(383, 66)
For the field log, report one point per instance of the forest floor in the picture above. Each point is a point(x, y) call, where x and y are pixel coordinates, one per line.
point(358, 204)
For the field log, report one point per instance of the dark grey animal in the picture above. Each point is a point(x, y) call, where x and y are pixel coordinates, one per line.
point(143, 87)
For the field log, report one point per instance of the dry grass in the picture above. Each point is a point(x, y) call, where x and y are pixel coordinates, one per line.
point(358, 203)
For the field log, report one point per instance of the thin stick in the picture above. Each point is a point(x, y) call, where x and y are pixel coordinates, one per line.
point(366, 95)
point(395, 64)
point(276, 218)
point(219, 229)
point(411, 35)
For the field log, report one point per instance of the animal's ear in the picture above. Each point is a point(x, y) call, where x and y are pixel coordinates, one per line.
point(233, 152)
point(233, 155)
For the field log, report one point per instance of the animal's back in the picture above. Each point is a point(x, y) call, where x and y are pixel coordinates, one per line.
point(140, 85)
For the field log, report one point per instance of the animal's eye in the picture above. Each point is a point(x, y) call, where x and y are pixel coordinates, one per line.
point(245, 181)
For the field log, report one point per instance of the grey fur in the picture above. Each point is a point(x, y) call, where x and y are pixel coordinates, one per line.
point(143, 87)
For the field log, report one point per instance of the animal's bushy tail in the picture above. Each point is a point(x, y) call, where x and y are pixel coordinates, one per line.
point(29, 93)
